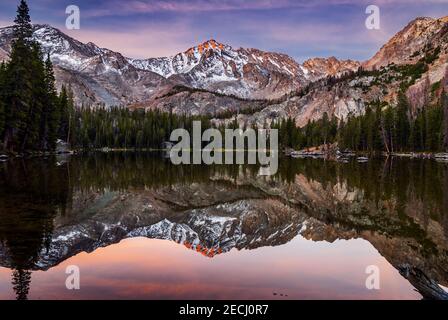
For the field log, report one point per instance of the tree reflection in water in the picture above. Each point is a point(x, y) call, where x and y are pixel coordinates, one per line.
point(32, 193)
point(35, 192)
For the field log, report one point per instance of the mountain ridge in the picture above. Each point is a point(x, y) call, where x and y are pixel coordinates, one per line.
point(224, 75)
point(244, 72)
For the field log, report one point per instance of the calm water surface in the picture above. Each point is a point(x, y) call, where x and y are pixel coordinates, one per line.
point(139, 227)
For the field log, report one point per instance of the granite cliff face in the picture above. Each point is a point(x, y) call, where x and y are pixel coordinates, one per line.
point(323, 67)
point(423, 39)
point(408, 45)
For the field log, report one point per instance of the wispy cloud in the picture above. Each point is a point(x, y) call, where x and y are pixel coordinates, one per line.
point(4, 23)
point(117, 8)
point(300, 28)
point(150, 40)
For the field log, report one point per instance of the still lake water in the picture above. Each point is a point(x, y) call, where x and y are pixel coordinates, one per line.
point(138, 227)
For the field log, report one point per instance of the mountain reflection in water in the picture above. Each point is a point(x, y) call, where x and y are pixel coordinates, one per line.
point(308, 232)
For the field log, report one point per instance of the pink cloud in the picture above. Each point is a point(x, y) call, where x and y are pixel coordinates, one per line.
point(330, 36)
point(116, 7)
point(150, 41)
point(5, 23)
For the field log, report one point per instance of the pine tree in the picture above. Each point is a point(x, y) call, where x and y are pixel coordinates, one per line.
point(420, 131)
point(23, 28)
point(325, 125)
point(32, 138)
point(72, 125)
point(50, 115)
point(402, 125)
point(444, 100)
point(2, 100)
point(19, 83)
point(377, 140)
point(21, 280)
point(64, 114)
point(389, 130)
point(434, 120)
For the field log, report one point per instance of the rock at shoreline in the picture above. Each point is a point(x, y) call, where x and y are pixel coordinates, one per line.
point(62, 147)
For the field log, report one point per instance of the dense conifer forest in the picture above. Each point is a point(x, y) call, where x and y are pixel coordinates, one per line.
point(380, 128)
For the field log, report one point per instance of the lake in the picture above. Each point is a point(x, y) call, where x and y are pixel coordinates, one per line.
point(138, 227)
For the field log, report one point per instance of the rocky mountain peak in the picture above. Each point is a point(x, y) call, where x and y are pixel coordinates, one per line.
point(322, 67)
point(407, 45)
point(220, 76)
point(214, 66)
point(207, 45)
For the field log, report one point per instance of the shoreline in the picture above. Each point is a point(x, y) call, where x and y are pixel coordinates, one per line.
point(346, 155)
point(332, 156)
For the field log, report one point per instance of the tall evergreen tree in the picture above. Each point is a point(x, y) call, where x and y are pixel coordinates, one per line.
point(2, 101)
point(325, 128)
point(23, 28)
point(420, 125)
point(444, 100)
point(389, 129)
point(31, 139)
point(402, 125)
point(72, 124)
point(64, 114)
point(50, 114)
point(434, 136)
point(19, 85)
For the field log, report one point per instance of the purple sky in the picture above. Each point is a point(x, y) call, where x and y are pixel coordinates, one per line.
point(300, 28)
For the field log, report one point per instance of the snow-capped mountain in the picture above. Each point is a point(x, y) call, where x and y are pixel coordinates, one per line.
point(183, 62)
point(216, 78)
point(102, 76)
point(246, 73)
point(97, 76)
